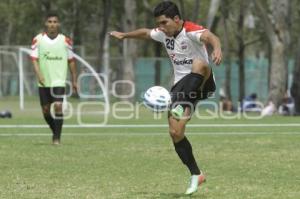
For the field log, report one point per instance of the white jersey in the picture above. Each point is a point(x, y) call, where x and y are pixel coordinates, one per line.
point(184, 48)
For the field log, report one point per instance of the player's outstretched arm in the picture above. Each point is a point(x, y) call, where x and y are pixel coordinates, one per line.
point(142, 33)
point(209, 38)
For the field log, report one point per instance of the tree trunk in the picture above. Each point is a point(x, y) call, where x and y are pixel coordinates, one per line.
point(129, 49)
point(157, 48)
point(147, 22)
point(76, 32)
point(10, 27)
point(196, 11)
point(278, 76)
point(241, 51)
point(227, 83)
point(280, 37)
point(46, 6)
point(103, 30)
point(213, 8)
point(277, 31)
point(181, 8)
point(295, 89)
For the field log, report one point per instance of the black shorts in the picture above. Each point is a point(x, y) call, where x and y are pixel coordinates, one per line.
point(48, 95)
point(203, 93)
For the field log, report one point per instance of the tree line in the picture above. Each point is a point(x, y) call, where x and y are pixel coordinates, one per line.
point(244, 27)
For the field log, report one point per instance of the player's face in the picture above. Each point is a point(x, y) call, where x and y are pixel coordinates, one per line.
point(167, 25)
point(52, 25)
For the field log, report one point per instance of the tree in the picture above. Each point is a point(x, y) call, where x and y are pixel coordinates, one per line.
point(107, 4)
point(157, 48)
point(276, 28)
point(213, 8)
point(295, 89)
point(233, 15)
point(241, 50)
point(129, 48)
point(196, 10)
point(227, 85)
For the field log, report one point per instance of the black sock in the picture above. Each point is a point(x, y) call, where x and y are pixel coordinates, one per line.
point(50, 121)
point(185, 153)
point(58, 122)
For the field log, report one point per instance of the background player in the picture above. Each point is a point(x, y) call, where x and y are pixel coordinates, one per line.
point(51, 55)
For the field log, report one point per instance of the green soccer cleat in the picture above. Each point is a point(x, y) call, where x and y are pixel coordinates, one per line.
point(177, 112)
point(196, 180)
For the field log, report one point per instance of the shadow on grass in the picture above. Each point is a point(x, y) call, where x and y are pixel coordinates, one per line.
point(42, 143)
point(169, 195)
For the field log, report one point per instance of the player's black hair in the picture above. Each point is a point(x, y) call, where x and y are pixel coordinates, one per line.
point(167, 8)
point(52, 14)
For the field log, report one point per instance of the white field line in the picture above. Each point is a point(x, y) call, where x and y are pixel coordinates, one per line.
point(150, 125)
point(147, 134)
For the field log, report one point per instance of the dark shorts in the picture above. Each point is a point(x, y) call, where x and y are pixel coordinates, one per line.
point(48, 95)
point(207, 91)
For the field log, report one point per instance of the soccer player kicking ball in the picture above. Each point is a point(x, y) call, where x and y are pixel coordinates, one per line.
point(51, 55)
point(185, 43)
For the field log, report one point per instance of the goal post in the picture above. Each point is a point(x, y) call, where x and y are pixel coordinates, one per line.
point(103, 87)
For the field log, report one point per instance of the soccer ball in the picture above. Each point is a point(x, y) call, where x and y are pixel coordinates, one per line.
point(157, 99)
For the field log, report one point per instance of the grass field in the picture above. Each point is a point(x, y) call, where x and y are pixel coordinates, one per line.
point(134, 158)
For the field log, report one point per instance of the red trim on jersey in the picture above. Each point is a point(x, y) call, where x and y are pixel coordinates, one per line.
point(33, 41)
point(34, 58)
point(190, 26)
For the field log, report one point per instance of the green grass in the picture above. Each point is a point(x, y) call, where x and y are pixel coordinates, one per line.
point(240, 162)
